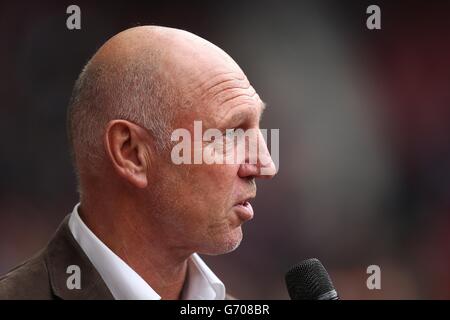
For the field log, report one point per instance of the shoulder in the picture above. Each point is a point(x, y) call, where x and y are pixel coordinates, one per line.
point(28, 280)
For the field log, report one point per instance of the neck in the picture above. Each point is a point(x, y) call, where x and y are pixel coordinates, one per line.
point(146, 249)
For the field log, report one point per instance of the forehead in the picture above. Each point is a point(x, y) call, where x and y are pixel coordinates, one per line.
point(225, 92)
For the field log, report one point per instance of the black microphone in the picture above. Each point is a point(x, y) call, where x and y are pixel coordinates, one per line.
point(308, 280)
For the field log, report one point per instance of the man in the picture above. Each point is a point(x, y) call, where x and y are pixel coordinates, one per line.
point(142, 219)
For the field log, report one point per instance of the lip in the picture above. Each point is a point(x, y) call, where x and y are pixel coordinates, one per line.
point(245, 199)
point(244, 210)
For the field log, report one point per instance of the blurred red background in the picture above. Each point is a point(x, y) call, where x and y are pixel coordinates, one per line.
point(364, 119)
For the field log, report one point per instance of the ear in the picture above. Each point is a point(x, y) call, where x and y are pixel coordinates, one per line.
point(127, 148)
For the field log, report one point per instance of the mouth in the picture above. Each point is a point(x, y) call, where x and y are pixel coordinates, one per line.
point(243, 203)
point(244, 209)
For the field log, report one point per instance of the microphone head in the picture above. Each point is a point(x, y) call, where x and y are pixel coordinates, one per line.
point(308, 280)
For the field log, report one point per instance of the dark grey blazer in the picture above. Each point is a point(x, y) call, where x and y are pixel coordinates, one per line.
point(44, 277)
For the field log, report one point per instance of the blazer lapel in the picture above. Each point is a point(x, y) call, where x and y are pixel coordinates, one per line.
point(64, 251)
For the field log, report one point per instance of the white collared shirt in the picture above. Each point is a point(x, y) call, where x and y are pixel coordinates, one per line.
point(125, 284)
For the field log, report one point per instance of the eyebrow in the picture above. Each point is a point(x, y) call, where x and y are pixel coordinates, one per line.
point(239, 117)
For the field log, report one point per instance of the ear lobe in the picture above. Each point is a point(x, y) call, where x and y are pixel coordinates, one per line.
point(126, 149)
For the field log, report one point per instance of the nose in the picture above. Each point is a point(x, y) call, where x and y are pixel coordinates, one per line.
point(264, 168)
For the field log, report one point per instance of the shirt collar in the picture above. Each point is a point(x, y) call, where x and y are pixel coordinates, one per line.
point(125, 284)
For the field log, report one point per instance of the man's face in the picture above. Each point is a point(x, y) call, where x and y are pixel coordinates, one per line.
point(206, 204)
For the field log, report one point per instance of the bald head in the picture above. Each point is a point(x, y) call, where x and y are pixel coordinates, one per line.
point(145, 75)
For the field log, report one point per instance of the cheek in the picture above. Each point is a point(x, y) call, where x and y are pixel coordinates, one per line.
point(205, 191)
point(212, 192)
point(220, 180)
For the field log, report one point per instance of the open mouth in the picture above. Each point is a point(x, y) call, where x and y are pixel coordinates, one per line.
point(245, 201)
point(244, 210)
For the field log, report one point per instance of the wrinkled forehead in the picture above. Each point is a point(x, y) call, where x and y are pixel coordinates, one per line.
point(211, 82)
point(221, 92)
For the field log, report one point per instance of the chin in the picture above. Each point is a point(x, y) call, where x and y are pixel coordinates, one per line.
point(226, 243)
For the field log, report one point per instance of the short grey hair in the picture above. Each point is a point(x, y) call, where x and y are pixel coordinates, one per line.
point(134, 90)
